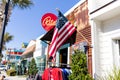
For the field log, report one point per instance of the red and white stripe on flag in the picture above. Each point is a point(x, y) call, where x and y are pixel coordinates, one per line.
point(59, 37)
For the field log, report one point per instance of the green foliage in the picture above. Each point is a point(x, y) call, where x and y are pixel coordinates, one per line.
point(79, 67)
point(22, 4)
point(11, 72)
point(114, 75)
point(32, 69)
point(12, 65)
point(7, 38)
point(1, 57)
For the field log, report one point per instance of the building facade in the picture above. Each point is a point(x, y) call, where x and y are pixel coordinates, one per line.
point(37, 49)
point(105, 26)
point(13, 55)
point(78, 16)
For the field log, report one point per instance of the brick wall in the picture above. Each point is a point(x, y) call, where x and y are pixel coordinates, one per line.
point(79, 17)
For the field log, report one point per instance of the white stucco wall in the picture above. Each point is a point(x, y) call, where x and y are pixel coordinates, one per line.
point(41, 48)
point(111, 29)
point(103, 35)
point(105, 29)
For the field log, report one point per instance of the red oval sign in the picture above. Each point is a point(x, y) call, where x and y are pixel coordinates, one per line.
point(48, 21)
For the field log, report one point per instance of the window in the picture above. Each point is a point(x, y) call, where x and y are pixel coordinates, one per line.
point(116, 52)
point(119, 46)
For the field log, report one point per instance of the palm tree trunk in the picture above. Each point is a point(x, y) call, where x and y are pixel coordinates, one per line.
point(4, 24)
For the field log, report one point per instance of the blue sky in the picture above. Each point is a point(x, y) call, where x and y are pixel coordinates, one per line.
point(25, 25)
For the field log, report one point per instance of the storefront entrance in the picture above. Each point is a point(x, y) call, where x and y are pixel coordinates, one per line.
point(63, 56)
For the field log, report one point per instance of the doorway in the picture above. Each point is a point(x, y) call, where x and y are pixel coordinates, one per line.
point(63, 57)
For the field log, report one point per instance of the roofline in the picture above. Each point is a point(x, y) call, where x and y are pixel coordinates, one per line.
point(103, 6)
point(72, 9)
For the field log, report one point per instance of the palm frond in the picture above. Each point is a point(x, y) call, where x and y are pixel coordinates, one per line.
point(22, 4)
point(7, 37)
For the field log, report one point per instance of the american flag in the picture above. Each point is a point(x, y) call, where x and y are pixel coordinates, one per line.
point(63, 30)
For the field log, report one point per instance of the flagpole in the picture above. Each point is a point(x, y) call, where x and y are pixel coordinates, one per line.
point(47, 56)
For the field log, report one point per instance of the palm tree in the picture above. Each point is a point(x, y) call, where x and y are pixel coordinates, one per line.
point(19, 3)
point(7, 6)
point(7, 38)
point(22, 4)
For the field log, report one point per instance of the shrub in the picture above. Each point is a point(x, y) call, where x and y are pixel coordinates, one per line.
point(32, 69)
point(79, 67)
point(11, 72)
